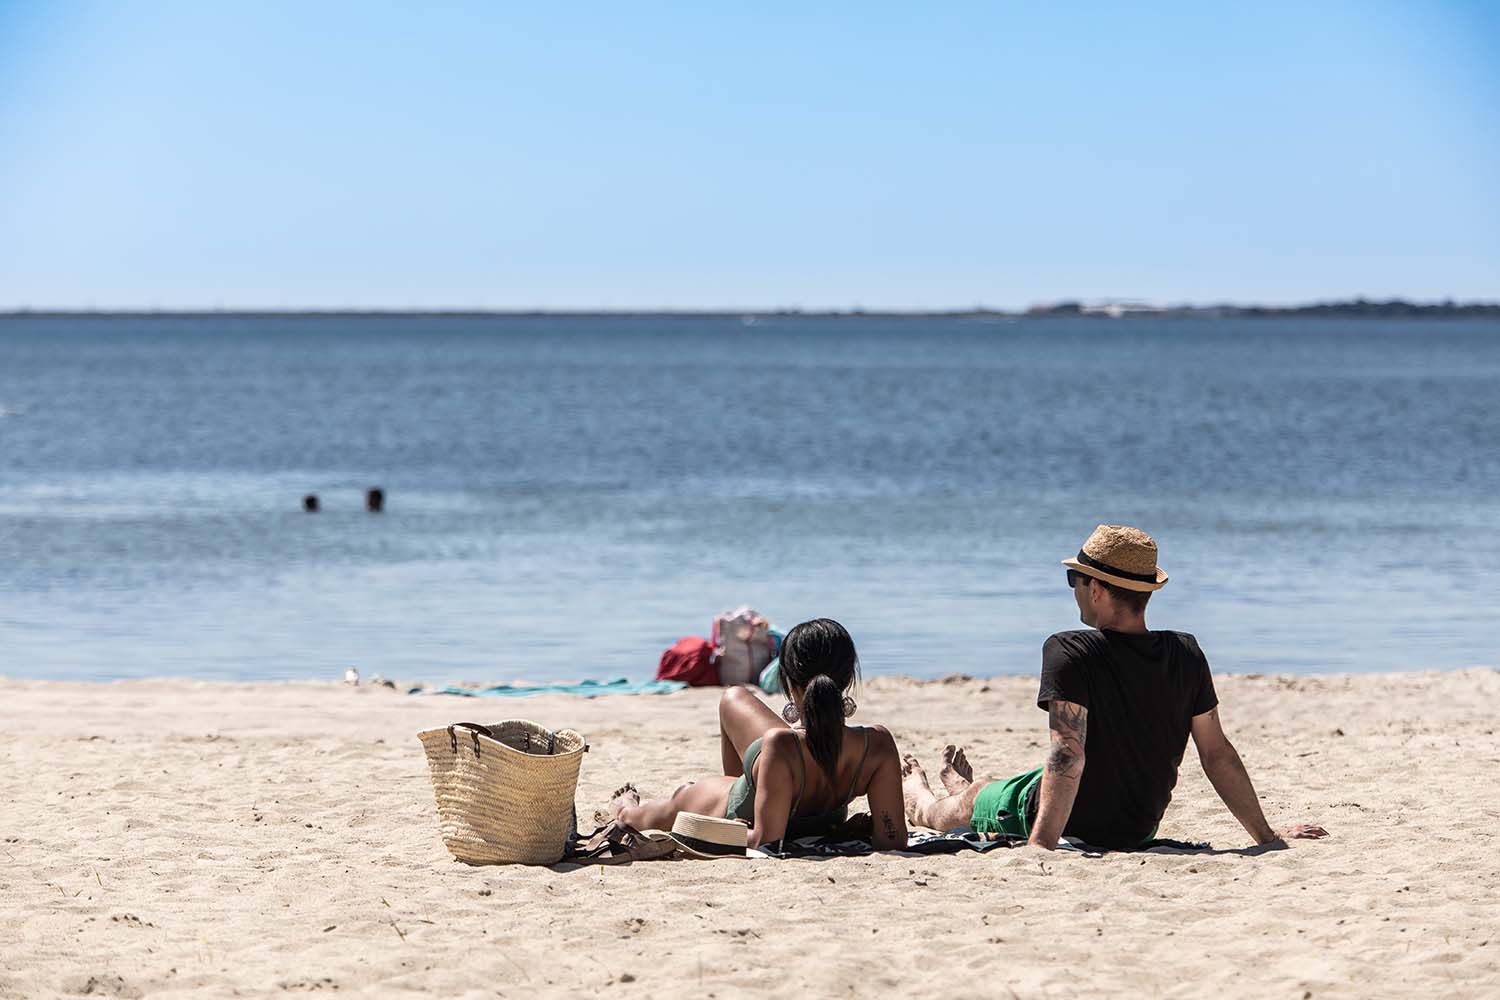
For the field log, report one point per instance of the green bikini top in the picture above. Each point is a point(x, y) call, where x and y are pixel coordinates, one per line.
point(742, 796)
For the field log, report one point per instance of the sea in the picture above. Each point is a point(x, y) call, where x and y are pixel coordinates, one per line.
point(566, 496)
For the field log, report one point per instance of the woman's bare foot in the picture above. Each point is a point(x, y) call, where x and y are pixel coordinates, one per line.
point(957, 774)
point(625, 796)
point(915, 790)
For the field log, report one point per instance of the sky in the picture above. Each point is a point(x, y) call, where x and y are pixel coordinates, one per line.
point(704, 156)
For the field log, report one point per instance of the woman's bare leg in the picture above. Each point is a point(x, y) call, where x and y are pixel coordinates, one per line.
point(707, 797)
point(743, 719)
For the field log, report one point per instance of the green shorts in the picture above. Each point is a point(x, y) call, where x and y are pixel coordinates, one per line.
point(1001, 805)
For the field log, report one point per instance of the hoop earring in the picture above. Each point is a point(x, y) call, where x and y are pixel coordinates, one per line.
point(849, 706)
point(791, 714)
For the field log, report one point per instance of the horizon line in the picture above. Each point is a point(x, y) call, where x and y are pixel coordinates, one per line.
point(1086, 308)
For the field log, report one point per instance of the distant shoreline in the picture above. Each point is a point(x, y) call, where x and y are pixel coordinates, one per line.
point(1114, 309)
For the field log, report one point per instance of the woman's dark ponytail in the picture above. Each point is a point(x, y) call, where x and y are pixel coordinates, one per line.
point(818, 659)
point(823, 714)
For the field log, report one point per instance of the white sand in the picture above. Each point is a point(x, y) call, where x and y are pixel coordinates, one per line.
point(183, 838)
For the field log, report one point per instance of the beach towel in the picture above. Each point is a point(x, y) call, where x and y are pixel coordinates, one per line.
point(954, 842)
point(1158, 845)
point(923, 842)
point(618, 843)
point(583, 689)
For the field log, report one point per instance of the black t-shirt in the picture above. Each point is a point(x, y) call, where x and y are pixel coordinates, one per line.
point(1141, 692)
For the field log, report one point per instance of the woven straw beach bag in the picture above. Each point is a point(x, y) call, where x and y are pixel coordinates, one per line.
point(504, 792)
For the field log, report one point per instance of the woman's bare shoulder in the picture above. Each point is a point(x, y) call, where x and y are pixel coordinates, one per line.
point(779, 738)
point(882, 743)
point(780, 744)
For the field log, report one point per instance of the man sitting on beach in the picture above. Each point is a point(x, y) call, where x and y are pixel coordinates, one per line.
point(1120, 699)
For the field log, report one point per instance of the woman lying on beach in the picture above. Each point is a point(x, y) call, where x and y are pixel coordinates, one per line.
point(792, 778)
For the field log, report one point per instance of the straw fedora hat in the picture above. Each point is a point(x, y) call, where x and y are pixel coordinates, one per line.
point(709, 836)
point(1121, 555)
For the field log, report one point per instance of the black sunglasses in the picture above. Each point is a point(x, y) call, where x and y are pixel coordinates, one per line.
point(1074, 576)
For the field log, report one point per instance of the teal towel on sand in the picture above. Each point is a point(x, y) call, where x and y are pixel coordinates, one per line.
point(584, 689)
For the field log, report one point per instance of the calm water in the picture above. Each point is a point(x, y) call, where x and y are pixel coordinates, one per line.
point(566, 497)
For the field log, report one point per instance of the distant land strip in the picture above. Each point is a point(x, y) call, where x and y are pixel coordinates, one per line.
point(1099, 309)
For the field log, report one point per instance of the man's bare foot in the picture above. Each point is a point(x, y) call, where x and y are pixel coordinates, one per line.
point(625, 796)
point(957, 774)
point(915, 790)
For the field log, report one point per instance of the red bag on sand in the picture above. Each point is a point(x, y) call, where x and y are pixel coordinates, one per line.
point(689, 662)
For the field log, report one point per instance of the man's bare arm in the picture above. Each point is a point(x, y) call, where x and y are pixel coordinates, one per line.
point(1068, 724)
point(1226, 772)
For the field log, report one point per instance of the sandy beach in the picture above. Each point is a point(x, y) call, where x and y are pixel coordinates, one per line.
point(186, 838)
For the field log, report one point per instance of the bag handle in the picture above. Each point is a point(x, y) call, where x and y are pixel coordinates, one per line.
point(475, 729)
point(551, 743)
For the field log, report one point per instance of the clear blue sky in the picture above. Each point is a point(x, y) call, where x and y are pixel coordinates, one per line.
point(206, 154)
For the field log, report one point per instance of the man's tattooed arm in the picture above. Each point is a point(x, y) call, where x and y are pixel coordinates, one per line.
point(1069, 724)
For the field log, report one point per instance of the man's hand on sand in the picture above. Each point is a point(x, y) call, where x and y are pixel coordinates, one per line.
point(1304, 831)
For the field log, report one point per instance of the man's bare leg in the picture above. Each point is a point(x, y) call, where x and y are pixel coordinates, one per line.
point(956, 774)
point(925, 809)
